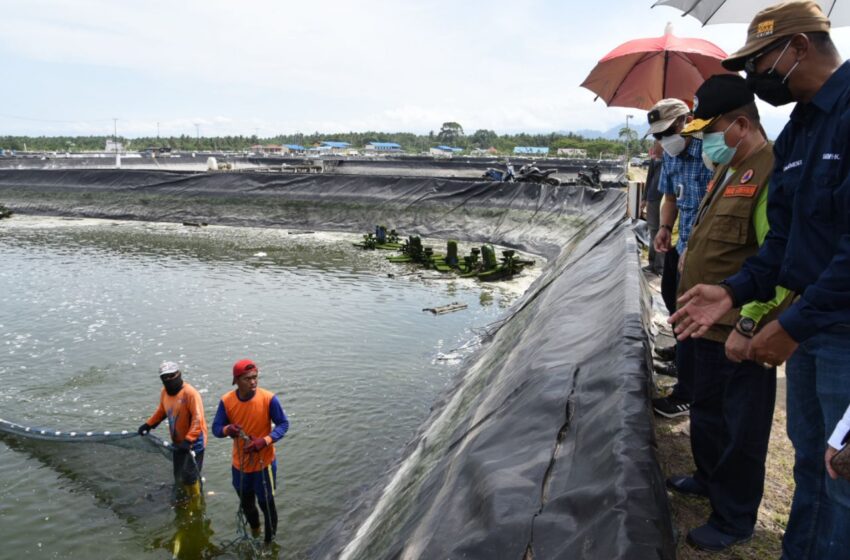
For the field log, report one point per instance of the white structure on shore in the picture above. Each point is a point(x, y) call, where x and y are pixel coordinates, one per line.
point(444, 151)
point(382, 147)
point(573, 152)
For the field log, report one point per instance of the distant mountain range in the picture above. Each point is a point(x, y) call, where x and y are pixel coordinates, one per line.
point(612, 133)
point(772, 125)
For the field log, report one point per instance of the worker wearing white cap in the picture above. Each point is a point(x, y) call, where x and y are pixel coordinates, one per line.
point(181, 404)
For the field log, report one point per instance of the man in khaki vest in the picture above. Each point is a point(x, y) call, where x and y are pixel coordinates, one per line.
point(732, 410)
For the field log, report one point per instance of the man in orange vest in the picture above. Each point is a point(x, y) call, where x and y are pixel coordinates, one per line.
point(255, 420)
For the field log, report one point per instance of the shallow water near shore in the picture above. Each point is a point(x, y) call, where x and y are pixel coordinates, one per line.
point(89, 308)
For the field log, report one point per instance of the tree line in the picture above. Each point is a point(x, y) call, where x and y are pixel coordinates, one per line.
point(449, 134)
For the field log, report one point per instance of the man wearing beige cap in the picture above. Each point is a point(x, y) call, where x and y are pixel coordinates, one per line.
point(789, 56)
point(683, 183)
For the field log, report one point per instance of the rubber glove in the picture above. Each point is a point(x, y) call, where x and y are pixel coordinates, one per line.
point(232, 430)
point(256, 444)
point(144, 429)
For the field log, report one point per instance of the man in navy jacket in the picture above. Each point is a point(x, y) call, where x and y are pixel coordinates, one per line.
point(789, 56)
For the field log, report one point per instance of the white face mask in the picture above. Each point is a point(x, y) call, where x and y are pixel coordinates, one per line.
point(673, 144)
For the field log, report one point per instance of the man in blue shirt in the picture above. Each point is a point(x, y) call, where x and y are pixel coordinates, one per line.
point(683, 183)
point(789, 56)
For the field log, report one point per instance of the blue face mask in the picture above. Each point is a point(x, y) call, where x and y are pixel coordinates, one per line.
point(714, 147)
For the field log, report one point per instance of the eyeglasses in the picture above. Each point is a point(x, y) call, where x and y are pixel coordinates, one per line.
point(674, 129)
point(750, 63)
point(169, 376)
point(671, 130)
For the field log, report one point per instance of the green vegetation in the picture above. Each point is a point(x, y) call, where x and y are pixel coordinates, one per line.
point(450, 133)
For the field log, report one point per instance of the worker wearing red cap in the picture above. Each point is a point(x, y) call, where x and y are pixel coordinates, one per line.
point(255, 419)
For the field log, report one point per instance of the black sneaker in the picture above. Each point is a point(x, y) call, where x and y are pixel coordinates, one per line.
point(687, 485)
point(666, 353)
point(671, 407)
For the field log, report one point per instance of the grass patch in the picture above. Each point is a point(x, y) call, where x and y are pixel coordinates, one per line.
point(674, 454)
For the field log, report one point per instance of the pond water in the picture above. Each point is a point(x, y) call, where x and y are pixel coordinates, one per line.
point(89, 308)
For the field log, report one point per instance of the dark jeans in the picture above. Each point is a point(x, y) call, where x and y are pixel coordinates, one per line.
point(731, 416)
point(818, 394)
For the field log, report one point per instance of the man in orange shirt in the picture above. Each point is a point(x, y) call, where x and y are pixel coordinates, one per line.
point(247, 414)
point(181, 404)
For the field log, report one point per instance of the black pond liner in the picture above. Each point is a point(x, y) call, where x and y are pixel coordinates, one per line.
point(544, 448)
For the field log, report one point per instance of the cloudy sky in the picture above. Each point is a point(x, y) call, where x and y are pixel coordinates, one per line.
point(269, 67)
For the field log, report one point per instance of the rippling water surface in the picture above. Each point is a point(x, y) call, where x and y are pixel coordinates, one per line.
point(88, 309)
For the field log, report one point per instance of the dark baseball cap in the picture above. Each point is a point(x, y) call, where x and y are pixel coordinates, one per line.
point(717, 96)
point(775, 22)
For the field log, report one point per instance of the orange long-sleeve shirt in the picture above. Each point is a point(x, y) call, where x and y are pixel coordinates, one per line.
point(185, 414)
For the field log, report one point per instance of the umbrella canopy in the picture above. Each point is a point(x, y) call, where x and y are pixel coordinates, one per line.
point(641, 72)
point(742, 11)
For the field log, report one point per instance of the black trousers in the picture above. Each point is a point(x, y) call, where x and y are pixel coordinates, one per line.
point(653, 219)
point(731, 417)
point(684, 387)
point(186, 470)
point(248, 501)
point(670, 279)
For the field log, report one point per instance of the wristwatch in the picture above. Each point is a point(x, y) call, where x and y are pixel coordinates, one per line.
point(746, 327)
point(667, 227)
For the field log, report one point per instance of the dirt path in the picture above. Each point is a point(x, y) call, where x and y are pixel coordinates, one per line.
point(674, 454)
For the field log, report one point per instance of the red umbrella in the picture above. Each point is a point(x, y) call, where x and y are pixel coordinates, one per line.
point(641, 72)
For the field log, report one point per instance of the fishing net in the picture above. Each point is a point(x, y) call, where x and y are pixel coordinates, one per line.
point(131, 475)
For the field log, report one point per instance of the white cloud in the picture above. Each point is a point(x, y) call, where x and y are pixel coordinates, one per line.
point(236, 67)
